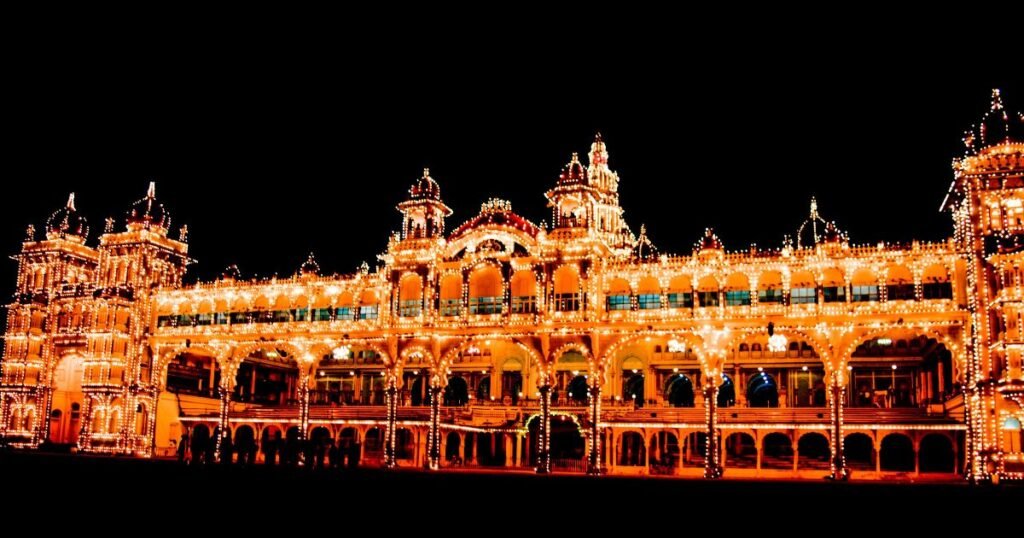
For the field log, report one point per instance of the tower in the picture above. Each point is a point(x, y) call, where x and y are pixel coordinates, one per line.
point(423, 213)
point(117, 376)
point(987, 203)
point(46, 322)
point(585, 202)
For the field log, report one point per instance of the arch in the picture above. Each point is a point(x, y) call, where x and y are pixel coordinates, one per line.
point(261, 303)
point(450, 294)
point(523, 283)
point(633, 388)
point(374, 444)
point(486, 290)
point(859, 450)
point(664, 452)
point(282, 302)
point(802, 279)
point(771, 279)
point(936, 454)
point(648, 285)
point(762, 391)
point(680, 284)
point(833, 277)
point(814, 451)
point(456, 392)
point(368, 298)
point(619, 286)
point(936, 273)
point(512, 364)
point(245, 444)
point(737, 282)
point(899, 283)
point(566, 279)
point(452, 448)
point(777, 451)
point(679, 391)
point(345, 299)
point(578, 389)
point(240, 304)
point(864, 277)
point(740, 451)
point(410, 295)
point(898, 274)
point(726, 392)
point(631, 450)
point(896, 452)
point(632, 362)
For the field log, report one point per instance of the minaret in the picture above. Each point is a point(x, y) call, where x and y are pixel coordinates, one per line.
point(423, 213)
point(987, 204)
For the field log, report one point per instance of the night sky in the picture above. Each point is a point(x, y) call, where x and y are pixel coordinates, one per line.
point(267, 159)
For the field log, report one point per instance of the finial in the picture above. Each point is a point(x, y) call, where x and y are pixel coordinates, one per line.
point(814, 207)
point(183, 233)
point(575, 158)
point(997, 99)
point(30, 233)
point(109, 225)
point(598, 137)
point(151, 192)
point(426, 172)
point(643, 227)
point(71, 202)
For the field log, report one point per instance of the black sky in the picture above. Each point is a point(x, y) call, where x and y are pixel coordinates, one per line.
point(266, 158)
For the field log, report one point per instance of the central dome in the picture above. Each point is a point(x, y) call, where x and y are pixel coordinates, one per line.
point(148, 212)
point(425, 188)
point(67, 222)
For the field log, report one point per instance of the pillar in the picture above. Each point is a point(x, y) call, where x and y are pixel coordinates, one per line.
point(712, 469)
point(509, 455)
point(222, 424)
point(303, 393)
point(434, 435)
point(544, 444)
point(391, 400)
point(836, 397)
point(594, 466)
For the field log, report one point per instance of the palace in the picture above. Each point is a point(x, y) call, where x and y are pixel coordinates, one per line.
point(569, 347)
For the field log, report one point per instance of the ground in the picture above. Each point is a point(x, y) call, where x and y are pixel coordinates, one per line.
point(262, 495)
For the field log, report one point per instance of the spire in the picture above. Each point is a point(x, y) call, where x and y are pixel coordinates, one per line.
point(997, 100)
point(310, 267)
point(151, 192)
point(71, 202)
point(598, 152)
point(814, 208)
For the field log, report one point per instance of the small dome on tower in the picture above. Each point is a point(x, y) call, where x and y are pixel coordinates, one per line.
point(997, 126)
point(710, 241)
point(574, 172)
point(309, 267)
point(231, 272)
point(832, 234)
point(148, 212)
point(425, 188)
point(598, 151)
point(67, 222)
point(644, 249)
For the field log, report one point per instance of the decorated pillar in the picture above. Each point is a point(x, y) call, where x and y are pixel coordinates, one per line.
point(594, 466)
point(837, 395)
point(712, 468)
point(391, 400)
point(434, 434)
point(543, 432)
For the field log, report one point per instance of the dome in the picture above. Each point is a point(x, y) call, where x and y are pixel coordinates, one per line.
point(710, 241)
point(231, 272)
point(496, 212)
point(148, 212)
point(309, 267)
point(67, 222)
point(574, 172)
point(832, 234)
point(425, 188)
point(997, 126)
point(817, 230)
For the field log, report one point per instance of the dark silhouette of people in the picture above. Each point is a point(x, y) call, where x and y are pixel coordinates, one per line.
point(226, 449)
point(183, 447)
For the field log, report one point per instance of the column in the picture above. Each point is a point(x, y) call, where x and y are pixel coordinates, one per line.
point(509, 455)
point(434, 435)
point(836, 397)
point(391, 401)
point(222, 424)
point(711, 467)
point(303, 393)
point(594, 462)
point(544, 446)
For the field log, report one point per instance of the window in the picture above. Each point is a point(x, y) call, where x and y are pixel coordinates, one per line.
point(618, 302)
point(300, 314)
point(865, 293)
point(708, 298)
point(803, 296)
point(566, 302)
point(680, 300)
point(239, 317)
point(408, 309)
point(649, 301)
point(344, 313)
point(185, 320)
point(900, 292)
point(485, 305)
point(769, 296)
point(368, 311)
point(450, 307)
point(220, 318)
point(322, 314)
point(834, 294)
point(737, 298)
point(164, 321)
point(938, 290)
point(526, 304)
point(282, 316)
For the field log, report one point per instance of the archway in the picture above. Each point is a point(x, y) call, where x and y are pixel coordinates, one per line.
point(267, 377)
point(483, 389)
point(292, 449)
point(762, 391)
point(245, 444)
point(777, 451)
point(740, 451)
point(271, 444)
point(453, 444)
point(201, 444)
point(814, 451)
point(633, 389)
point(577, 391)
point(897, 453)
point(567, 445)
point(936, 454)
point(726, 392)
point(859, 451)
point(405, 444)
point(373, 448)
point(679, 391)
point(457, 392)
point(631, 450)
point(694, 449)
point(67, 400)
point(664, 453)
point(490, 449)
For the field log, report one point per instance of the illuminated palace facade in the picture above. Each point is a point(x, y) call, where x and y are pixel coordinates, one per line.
point(574, 346)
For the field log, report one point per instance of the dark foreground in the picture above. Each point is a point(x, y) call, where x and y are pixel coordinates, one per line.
point(92, 482)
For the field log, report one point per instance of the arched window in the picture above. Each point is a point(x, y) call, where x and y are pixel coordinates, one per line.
point(769, 287)
point(619, 295)
point(801, 288)
point(680, 292)
point(648, 294)
point(833, 286)
point(523, 289)
point(865, 286)
point(936, 283)
point(410, 296)
point(451, 295)
point(566, 289)
point(485, 291)
point(737, 290)
point(369, 305)
point(899, 284)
